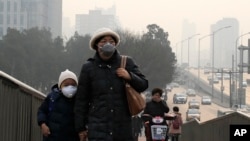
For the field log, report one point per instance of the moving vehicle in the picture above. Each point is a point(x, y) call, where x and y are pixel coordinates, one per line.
point(194, 104)
point(192, 114)
point(218, 75)
point(180, 98)
point(168, 88)
point(216, 80)
point(191, 92)
point(205, 99)
point(156, 127)
point(206, 71)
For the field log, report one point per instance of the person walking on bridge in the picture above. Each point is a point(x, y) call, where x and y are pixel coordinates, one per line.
point(55, 116)
point(101, 106)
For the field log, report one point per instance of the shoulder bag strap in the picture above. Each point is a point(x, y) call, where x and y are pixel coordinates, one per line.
point(123, 61)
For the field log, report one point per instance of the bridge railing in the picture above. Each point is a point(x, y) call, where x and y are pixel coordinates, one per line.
point(18, 106)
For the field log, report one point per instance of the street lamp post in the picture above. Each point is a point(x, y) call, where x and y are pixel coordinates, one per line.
point(188, 47)
point(199, 55)
point(176, 46)
point(213, 56)
point(176, 50)
point(236, 63)
point(182, 49)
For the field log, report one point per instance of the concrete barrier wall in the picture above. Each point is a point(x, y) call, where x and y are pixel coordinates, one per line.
point(217, 129)
point(18, 106)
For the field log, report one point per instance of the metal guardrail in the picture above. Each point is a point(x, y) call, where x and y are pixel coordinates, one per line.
point(208, 89)
point(18, 106)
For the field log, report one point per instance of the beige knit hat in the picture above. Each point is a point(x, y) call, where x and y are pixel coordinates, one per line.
point(103, 32)
point(65, 75)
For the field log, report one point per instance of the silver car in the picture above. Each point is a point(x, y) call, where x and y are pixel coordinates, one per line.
point(206, 100)
point(180, 98)
point(192, 114)
point(194, 104)
point(191, 92)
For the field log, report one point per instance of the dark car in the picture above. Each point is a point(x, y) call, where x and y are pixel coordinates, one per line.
point(180, 98)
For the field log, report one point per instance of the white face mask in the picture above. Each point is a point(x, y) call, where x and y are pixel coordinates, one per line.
point(69, 91)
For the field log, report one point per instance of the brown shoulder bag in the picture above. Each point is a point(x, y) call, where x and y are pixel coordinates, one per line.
point(136, 102)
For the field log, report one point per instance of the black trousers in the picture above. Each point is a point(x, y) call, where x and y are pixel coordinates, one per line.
point(174, 137)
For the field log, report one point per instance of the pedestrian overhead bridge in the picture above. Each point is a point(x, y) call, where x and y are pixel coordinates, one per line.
point(19, 103)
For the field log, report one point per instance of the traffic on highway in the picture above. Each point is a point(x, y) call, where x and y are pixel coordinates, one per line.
point(223, 84)
point(207, 111)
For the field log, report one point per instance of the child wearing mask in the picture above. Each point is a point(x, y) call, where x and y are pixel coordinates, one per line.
point(55, 115)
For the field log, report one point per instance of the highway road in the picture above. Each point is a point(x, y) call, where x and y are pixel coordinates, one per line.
point(225, 83)
point(208, 112)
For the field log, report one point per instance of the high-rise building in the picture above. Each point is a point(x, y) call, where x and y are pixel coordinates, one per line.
point(89, 23)
point(224, 42)
point(26, 14)
point(67, 29)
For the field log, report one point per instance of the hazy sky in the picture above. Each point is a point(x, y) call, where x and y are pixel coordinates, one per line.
point(135, 15)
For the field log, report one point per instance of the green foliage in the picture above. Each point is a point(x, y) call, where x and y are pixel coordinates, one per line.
point(78, 46)
point(152, 53)
point(33, 57)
